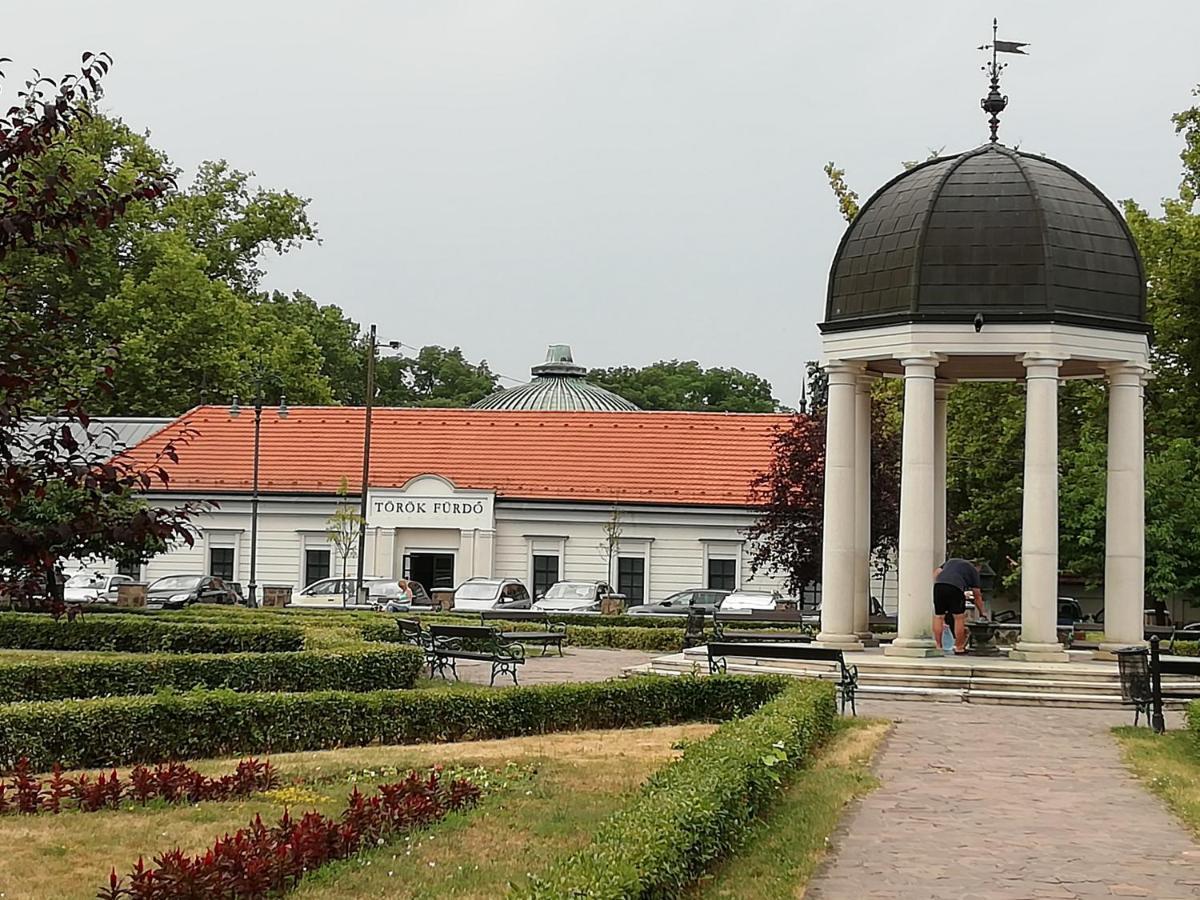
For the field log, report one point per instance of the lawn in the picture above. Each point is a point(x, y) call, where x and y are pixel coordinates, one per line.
point(786, 846)
point(548, 794)
point(1168, 765)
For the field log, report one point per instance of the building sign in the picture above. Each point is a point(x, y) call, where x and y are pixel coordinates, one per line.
point(401, 509)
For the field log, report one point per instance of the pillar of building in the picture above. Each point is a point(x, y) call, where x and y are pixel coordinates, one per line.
point(1125, 513)
point(838, 550)
point(914, 635)
point(941, 394)
point(1039, 519)
point(862, 511)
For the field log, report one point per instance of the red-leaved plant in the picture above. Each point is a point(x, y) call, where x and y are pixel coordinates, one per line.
point(261, 861)
point(168, 782)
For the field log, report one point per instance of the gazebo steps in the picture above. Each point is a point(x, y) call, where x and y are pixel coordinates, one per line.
point(1079, 683)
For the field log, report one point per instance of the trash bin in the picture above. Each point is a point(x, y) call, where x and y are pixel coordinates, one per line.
point(276, 595)
point(443, 598)
point(1133, 665)
point(612, 604)
point(131, 595)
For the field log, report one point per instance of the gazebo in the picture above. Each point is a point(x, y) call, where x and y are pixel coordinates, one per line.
point(995, 264)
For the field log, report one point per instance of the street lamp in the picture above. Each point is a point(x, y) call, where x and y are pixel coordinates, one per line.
point(235, 410)
point(372, 346)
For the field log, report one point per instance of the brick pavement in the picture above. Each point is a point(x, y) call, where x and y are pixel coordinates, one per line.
point(577, 664)
point(1001, 803)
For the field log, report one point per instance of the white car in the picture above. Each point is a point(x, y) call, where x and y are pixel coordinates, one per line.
point(748, 601)
point(573, 596)
point(93, 587)
point(477, 594)
point(334, 593)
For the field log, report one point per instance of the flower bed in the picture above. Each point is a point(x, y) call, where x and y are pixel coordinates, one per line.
point(143, 634)
point(171, 783)
point(699, 807)
point(348, 670)
point(260, 861)
point(118, 730)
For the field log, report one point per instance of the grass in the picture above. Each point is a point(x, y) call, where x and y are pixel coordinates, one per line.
point(1168, 765)
point(786, 846)
point(564, 785)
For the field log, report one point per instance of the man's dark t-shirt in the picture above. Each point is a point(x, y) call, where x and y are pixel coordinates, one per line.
point(959, 572)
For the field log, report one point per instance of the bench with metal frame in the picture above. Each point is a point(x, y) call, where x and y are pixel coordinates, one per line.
point(722, 631)
point(1170, 666)
point(412, 632)
point(847, 676)
point(450, 643)
point(553, 633)
point(693, 629)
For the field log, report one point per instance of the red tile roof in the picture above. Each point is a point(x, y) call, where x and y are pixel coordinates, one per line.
point(703, 459)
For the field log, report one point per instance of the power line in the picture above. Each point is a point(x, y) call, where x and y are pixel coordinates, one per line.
point(499, 375)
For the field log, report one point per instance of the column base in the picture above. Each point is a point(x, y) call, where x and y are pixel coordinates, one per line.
point(868, 639)
point(915, 648)
point(1105, 651)
point(838, 641)
point(1027, 651)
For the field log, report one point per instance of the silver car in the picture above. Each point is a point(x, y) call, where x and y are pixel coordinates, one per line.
point(477, 594)
point(573, 596)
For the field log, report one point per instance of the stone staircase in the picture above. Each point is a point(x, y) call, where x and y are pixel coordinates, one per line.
point(1081, 683)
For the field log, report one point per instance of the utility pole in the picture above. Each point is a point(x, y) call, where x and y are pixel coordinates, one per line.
point(366, 473)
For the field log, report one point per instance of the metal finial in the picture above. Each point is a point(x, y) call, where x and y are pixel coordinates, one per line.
point(995, 102)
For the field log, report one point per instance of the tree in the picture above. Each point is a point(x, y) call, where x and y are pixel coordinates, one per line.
point(610, 547)
point(434, 377)
point(688, 386)
point(343, 528)
point(60, 493)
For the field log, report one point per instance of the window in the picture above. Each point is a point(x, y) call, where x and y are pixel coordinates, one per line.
point(220, 562)
point(316, 565)
point(722, 574)
point(631, 579)
point(131, 569)
point(545, 573)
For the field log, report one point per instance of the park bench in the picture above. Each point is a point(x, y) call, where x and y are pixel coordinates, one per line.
point(413, 632)
point(693, 628)
point(722, 631)
point(450, 643)
point(552, 634)
point(847, 676)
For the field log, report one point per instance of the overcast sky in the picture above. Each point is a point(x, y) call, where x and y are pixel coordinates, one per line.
point(638, 178)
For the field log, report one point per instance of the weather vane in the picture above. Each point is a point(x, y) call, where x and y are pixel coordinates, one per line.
point(995, 102)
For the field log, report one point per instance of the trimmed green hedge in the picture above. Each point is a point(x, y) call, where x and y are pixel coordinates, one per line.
point(624, 638)
point(350, 670)
point(119, 730)
point(697, 809)
point(1185, 648)
point(140, 634)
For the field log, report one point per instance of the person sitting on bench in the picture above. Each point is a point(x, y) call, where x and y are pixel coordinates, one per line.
point(952, 581)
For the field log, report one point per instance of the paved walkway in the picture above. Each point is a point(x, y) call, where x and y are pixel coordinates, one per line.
point(577, 664)
point(1001, 803)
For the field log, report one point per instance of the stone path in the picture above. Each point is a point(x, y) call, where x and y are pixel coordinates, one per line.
point(577, 664)
point(1001, 803)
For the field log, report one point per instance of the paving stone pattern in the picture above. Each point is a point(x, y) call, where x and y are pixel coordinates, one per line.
point(576, 664)
point(1002, 802)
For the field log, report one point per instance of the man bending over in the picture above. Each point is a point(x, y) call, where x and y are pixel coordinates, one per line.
point(952, 581)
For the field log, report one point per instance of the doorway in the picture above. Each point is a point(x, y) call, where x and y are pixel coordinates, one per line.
point(433, 570)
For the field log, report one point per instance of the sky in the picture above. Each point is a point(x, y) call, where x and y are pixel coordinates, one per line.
point(640, 179)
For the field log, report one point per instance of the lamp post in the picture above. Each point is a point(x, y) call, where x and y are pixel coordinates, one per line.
point(235, 410)
point(368, 404)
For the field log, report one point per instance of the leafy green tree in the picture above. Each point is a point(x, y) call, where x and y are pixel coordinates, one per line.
point(688, 386)
point(434, 377)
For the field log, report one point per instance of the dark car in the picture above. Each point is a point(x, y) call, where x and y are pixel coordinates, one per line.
point(178, 591)
point(681, 603)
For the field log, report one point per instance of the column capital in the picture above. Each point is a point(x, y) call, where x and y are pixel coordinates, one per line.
point(849, 367)
point(1039, 360)
point(866, 380)
point(920, 366)
point(1124, 372)
point(941, 388)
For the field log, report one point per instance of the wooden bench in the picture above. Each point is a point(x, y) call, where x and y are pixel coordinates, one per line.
point(847, 675)
point(553, 633)
point(450, 643)
point(722, 631)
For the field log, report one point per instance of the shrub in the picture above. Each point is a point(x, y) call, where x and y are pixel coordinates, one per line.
point(1186, 648)
point(143, 634)
point(169, 783)
point(699, 807)
point(260, 862)
point(343, 670)
point(117, 730)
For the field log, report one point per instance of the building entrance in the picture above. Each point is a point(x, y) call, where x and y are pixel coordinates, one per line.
point(433, 570)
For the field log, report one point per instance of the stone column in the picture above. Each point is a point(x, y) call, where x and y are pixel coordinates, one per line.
point(1039, 520)
point(1125, 537)
point(941, 393)
point(913, 629)
point(862, 510)
point(838, 545)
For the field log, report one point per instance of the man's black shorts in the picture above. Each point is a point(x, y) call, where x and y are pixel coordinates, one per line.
point(949, 599)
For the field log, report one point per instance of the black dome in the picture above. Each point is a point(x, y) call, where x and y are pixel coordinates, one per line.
point(1017, 237)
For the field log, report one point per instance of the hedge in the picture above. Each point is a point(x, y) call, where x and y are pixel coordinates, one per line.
point(696, 809)
point(625, 638)
point(117, 730)
point(367, 669)
point(140, 634)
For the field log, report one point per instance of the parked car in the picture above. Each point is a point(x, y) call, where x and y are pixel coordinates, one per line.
point(573, 597)
point(475, 594)
point(336, 593)
point(748, 601)
point(412, 594)
point(178, 591)
point(682, 602)
point(93, 587)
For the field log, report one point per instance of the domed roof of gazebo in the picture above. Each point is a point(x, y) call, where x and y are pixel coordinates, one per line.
point(558, 384)
point(994, 231)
